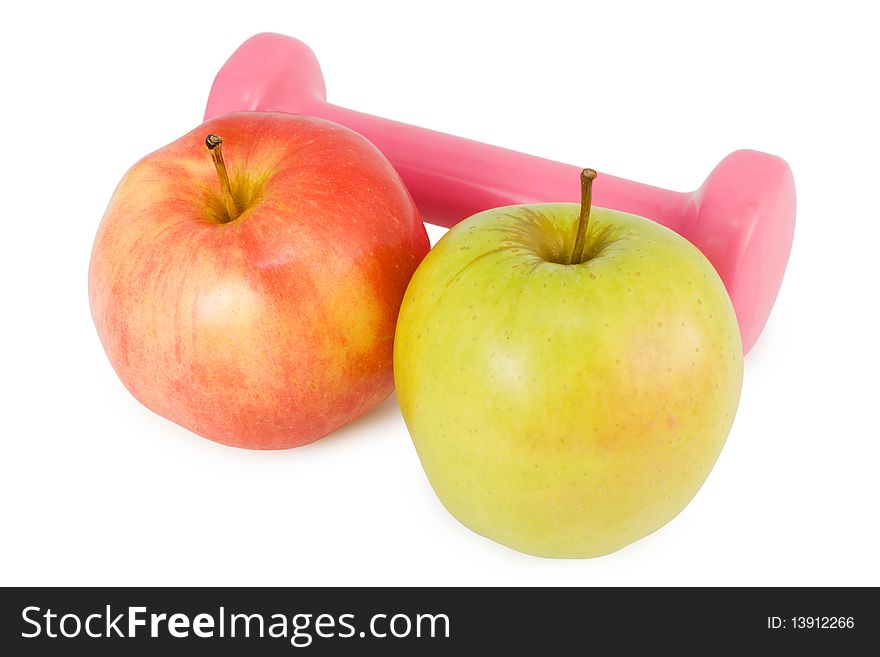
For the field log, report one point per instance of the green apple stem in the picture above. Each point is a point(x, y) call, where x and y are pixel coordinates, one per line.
point(213, 142)
point(580, 238)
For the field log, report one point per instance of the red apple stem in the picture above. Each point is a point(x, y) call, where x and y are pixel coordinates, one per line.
point(580, 238)
point(213, 142)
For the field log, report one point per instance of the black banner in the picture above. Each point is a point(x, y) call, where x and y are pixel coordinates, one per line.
point(423, 621)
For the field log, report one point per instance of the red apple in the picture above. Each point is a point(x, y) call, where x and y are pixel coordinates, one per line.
point(256, 308)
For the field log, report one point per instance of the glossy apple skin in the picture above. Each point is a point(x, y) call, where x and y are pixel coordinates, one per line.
point(272, 330)
point(566, 410)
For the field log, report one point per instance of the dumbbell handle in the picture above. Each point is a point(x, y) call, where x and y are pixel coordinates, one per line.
point(452, 178)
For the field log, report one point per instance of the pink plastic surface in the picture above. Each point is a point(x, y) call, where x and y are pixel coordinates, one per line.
point(742, 217)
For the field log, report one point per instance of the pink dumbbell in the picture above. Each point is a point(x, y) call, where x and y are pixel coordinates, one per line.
point(742, 217)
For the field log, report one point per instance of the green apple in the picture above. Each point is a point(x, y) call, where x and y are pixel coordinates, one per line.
point(568, 377)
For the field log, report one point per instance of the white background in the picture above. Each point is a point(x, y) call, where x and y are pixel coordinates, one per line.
point(96, 489)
